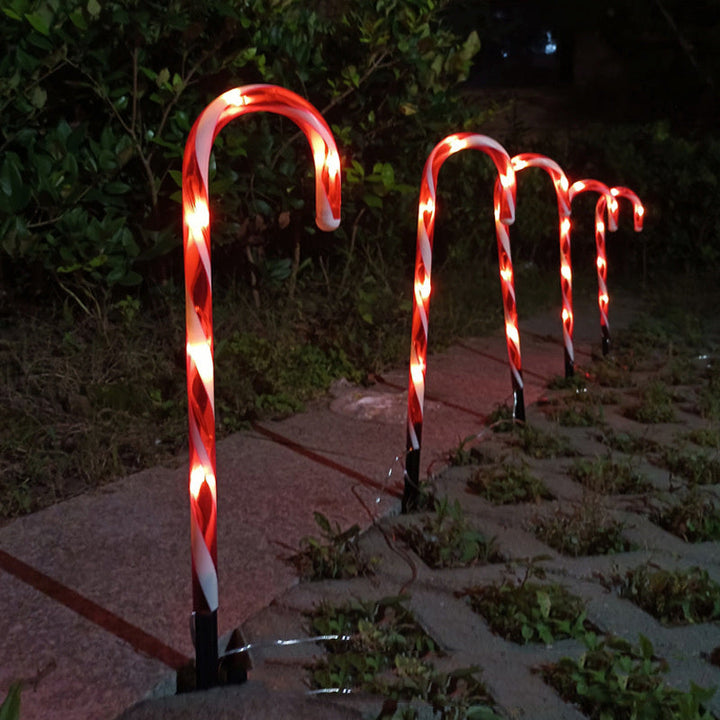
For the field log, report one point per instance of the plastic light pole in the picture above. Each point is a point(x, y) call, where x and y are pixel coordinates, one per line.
point(199, 332)
point(561, 185)
point(504, 207)
point(606, 201)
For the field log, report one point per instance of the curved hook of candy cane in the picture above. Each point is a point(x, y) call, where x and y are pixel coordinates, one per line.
point(561, 185)
point(638, 207)
point(596, 186)
point(198, 293)
point(504, 200)
point(606, 202)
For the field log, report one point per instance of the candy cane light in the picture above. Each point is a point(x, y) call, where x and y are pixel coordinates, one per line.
point(199, 332)
point(638, 207)
point(607, 202)
point(561, 185)
point(504, 202)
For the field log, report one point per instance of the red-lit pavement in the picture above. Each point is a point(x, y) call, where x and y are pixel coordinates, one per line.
point(95, 592)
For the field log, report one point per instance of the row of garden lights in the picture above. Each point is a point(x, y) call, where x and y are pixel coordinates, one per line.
point(198, 298)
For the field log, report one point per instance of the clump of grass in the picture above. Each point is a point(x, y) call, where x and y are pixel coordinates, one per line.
point(681, 371)
point(540, 444)
point(586, 530)
point(526, 612)
point(576, 411)
point(574, 382)
point(508, 483)
point(698, 468)
point(446, 539)
point(377, 631)
point(655, 405)
point(390, 655)
point(608, 477)
point(626, 442)
point(705, 437)
point(674, 597)
point(708, 402)
point(607, 372)
point(694, 518)
point(647, 344)
point(85, 400)
point(465, 453)
point(501, 418)
point(613, 679)
point(336, 555)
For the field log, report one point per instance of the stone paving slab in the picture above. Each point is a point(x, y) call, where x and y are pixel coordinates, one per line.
point(71, 674)
point(125, 547)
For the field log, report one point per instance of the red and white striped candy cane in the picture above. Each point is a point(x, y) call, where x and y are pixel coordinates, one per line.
point(606, 202)
point(504, 201)
point(561, 184)
point(199, 332)
point(638, 207)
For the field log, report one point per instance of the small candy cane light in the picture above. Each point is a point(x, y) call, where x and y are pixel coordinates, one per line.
point(560, 182)
point(606, 202)
point(638, 208)
point(504, 201)
point(199, 332)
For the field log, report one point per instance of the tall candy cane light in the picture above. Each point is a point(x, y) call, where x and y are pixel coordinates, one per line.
point(504, 202)
point(199, 333)
point(560, 182)
point(606, 201)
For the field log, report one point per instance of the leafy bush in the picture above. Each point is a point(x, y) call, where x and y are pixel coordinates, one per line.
point(98, 99)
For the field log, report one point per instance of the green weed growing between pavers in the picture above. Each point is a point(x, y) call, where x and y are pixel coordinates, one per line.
point(613, 680)
point(656, 405)
point(538, 443)
point(694, 517)
point(465, 453)
point(626, 442)
point(587, 529)
point(336, 555)
point(674, 597)
point(579, 410)
point(696, 467)
point(390, 655)
point(447, 539)
point(708, 437)
point(508, 483)
point(607, 476)
point(524, 611)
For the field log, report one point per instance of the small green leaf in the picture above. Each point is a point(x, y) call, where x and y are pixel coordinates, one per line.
point(10, 709)
point(322, 522)
point(162, 77)
point(116, 188)
point(645, 647)
point(544, 602)
point(39, 22)
point(93, 7)
point(372, 201)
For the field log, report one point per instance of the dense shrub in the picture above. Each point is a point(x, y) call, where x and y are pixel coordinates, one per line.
point(97, 100)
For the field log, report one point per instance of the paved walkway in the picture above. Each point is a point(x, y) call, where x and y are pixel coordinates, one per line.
point(95, 601)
